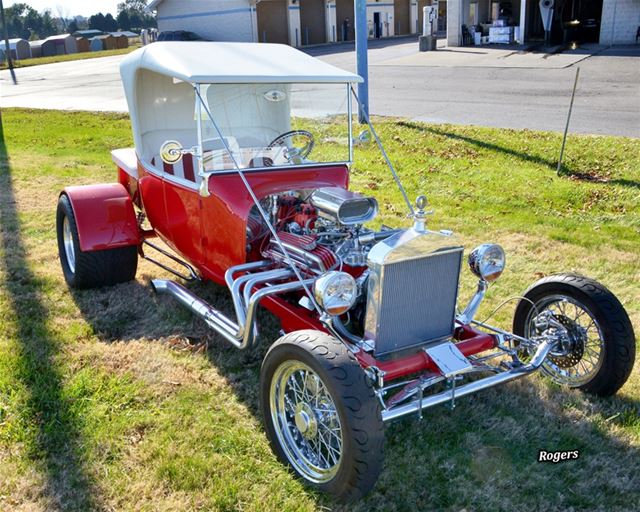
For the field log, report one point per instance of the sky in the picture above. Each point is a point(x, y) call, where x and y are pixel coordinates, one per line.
point(71, 7)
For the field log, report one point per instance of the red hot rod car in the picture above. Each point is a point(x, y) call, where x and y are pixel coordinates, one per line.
point(229, 173)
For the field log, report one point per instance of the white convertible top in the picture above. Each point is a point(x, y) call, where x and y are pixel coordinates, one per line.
point(231, 63)
point(158, 83)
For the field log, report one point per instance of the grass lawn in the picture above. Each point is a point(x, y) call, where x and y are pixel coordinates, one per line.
point(116, 399)
point(64, 58)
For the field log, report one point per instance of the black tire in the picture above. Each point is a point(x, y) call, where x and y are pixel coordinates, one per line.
point(96, 268)
point(617, 331)
point(355, 401)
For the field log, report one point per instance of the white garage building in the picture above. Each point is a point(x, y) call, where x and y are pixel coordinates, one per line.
point(295, 22)
point(305, 22)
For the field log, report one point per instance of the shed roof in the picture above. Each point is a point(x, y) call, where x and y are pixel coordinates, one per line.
point(191, 61)
point(58, 37)
point(126, 33)
point(12, 42)
point(87, 33)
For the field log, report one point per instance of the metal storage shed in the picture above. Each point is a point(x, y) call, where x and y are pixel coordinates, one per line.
point(131, 36)
point(36, 48)
point(107, 41)
point(59, 45)
point(88, 34)
point(83, 44)
point(20, 48)
point(95, 44)
point(122, 41)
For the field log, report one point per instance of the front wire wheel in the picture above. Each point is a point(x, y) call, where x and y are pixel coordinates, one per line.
point(306, 421)
point(595, 348)
point(321, 414)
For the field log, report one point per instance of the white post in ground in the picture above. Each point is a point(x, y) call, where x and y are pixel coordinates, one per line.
point(523, 17)
point(455, 19)
point(296, 38)
point(330, 21)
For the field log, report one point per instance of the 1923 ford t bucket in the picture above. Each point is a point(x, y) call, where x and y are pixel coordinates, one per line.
point(372, 329)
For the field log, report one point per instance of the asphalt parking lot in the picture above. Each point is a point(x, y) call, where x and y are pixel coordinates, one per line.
point(482, 86)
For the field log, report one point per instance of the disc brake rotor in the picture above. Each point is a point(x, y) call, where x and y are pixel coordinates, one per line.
point(574, 355)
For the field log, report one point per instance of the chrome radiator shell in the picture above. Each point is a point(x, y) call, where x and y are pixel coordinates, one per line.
point(412, 290)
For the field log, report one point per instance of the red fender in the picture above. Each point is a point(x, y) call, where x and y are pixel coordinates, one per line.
point(104, 216)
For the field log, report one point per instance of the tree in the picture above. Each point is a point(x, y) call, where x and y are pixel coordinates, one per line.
point(111, 25)
point(139, 6)
point(25, 22)
point(97, 22)
point(139, 16)
point(124, 22)
point(73, 27)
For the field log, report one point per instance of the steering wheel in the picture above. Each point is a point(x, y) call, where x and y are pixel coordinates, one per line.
point(294, 154)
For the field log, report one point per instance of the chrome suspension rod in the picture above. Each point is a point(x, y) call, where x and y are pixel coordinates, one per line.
point(473, 387)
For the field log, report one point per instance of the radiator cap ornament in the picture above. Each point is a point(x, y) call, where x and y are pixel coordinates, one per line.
point(420, 215)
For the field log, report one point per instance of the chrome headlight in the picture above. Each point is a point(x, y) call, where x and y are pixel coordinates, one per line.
point(335, 292)
point(487, 261)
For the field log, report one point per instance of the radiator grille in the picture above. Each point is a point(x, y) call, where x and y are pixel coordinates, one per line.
point(415, 301)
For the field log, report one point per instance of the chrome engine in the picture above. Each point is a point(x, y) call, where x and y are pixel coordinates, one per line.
point(325, 223)
point(407, 279)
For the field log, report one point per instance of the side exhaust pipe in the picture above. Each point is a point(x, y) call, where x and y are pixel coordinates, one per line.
point(240, 334)
point(473, 387)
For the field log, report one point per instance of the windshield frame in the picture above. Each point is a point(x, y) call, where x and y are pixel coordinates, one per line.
point(199, 100)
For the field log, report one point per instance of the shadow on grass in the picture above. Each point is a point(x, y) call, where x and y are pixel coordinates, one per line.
point(475, 455)
point(485, 145)
point(551, 164)
point(57, 440)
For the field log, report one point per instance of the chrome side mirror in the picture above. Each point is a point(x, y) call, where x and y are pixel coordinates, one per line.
point(172, 151)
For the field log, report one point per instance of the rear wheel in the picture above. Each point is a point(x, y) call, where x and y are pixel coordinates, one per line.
point(321, 414)
point(596, 348)
point(90, 269)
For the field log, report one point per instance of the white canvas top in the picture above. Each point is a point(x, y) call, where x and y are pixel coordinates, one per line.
point(229, 63)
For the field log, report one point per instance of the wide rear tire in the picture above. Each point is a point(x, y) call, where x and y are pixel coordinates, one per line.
point(90, 269)
point(321, 414)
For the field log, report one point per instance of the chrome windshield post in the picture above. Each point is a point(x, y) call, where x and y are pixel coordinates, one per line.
point(350, 124)
point(361, 112)
point(204, 177)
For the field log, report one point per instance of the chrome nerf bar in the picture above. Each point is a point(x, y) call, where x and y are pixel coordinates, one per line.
point(447, 396)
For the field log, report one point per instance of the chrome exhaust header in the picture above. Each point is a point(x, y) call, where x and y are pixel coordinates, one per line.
point(516, 372)
point(241, 333)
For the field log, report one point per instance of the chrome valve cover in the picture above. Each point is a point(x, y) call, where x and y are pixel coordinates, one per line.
point(412, 290)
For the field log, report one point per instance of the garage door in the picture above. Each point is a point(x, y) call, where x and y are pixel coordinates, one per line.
point(402, 16)
point(272, 21)
point(312, 24)
point(344, 20)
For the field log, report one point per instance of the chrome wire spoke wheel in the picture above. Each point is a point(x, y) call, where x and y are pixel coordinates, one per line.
point(580, 350)
point(306, 421)
point(69, 249)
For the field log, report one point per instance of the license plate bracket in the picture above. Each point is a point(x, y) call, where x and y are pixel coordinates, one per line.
point(448, 358)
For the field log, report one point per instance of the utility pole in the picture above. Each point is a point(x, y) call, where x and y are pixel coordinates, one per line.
point(362, 64)
point(6, 44)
